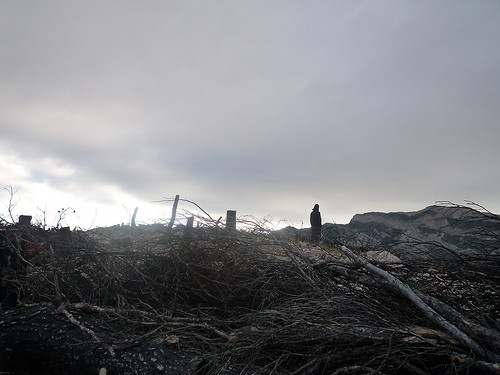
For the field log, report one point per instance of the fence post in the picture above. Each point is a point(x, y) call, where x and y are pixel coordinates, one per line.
point(231, 220)
point(25, 220)
point(189, 228)
point(132, 222)
point(174, 211)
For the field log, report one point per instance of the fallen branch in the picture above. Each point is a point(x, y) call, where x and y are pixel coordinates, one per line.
point(62, 310)
point(429, 312)
point(464, 323)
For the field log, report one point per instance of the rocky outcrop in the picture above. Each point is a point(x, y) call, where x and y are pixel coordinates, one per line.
point(452, 230)
point(382, 257)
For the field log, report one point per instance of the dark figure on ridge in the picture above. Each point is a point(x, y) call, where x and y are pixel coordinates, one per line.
point(315, 219)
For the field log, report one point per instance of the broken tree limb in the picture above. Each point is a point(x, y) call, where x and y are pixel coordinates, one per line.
point(464, 323)
point(429, 312)
point(62, 310)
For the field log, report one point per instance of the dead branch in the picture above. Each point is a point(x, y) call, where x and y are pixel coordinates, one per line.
point(405, 290)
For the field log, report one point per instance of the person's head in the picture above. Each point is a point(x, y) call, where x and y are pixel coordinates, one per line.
point(316, 207)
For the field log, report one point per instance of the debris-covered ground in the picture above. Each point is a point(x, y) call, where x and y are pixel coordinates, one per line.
point(143, 300)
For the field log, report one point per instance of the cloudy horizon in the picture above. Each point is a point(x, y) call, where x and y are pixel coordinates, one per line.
point(262, 107)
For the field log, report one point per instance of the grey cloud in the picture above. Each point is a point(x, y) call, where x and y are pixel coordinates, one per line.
point(359, 105)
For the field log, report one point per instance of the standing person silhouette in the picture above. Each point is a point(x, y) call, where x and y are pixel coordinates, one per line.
point(315, 219)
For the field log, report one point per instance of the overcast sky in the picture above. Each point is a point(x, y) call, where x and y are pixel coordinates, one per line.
point(264, 107)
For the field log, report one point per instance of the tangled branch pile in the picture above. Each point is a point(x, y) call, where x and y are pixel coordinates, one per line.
point(144, 300)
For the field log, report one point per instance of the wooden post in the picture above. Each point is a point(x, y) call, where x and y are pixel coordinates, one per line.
point(25, 220)
point(231, 220)
point(174, 212)
point(132, 222)
point(189, 228)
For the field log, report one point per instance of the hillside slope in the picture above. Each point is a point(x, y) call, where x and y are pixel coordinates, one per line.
point(435, 230)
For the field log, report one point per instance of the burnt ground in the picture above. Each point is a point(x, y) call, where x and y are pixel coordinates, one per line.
point(130, 300)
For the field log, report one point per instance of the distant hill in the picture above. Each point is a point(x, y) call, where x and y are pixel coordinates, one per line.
point(436, 229)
